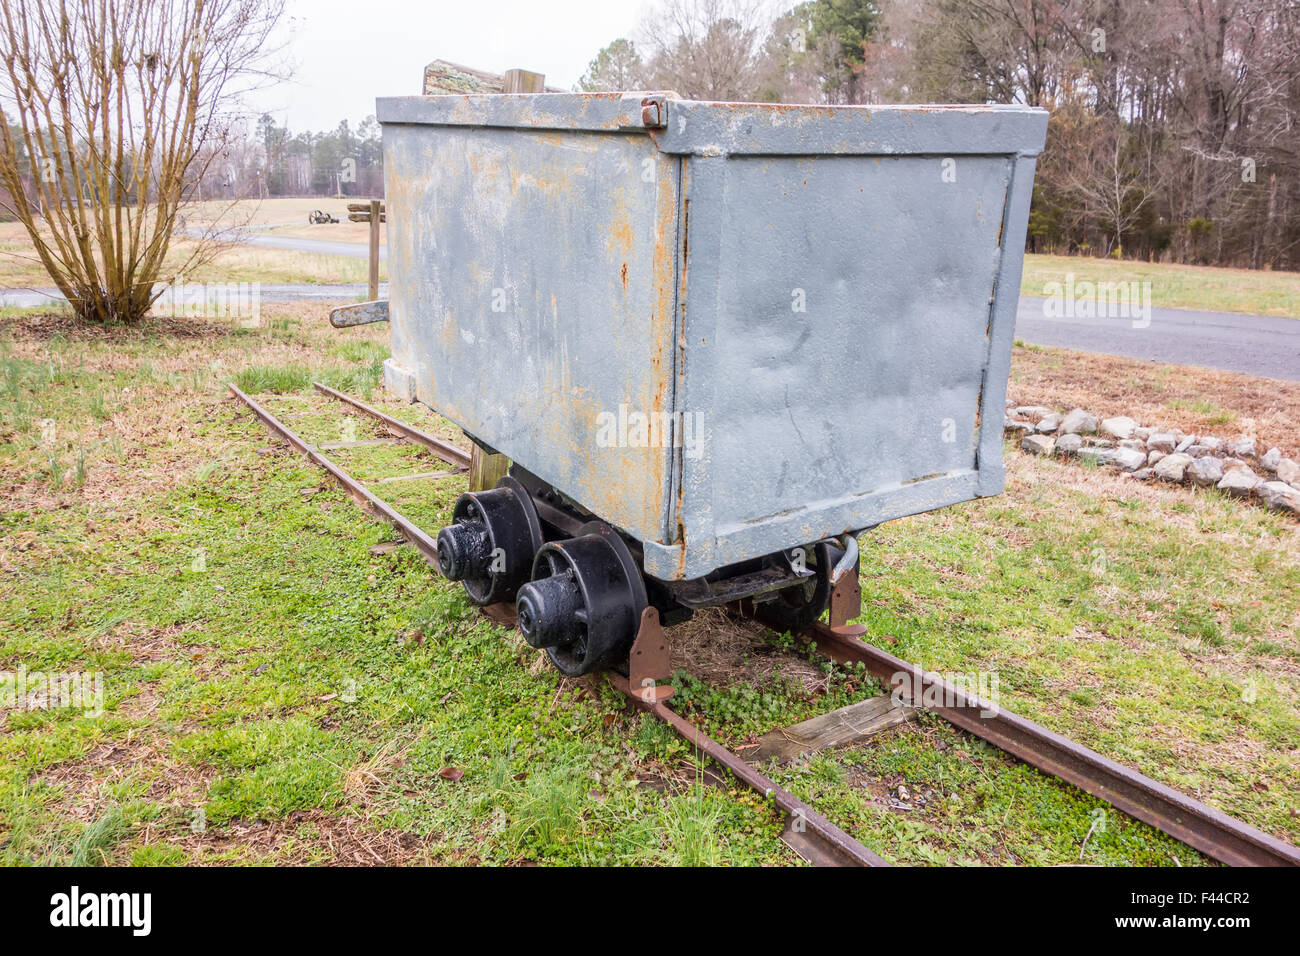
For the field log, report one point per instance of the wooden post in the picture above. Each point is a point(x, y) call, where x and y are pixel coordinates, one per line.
point(374, 249)
point(486, 469)
point(521, 81)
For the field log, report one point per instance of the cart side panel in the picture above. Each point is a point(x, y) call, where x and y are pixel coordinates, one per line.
point(839, 345)
point(532, 300)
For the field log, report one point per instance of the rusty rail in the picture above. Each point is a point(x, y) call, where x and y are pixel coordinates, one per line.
point(807, 832)
point(447, 452)
point(815, 838)
point(1187, 820)
point(359, 493)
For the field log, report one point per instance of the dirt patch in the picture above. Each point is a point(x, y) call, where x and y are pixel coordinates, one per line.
point(1196, 400)
point(85, 780)
point(43, 326)
point(723, 651)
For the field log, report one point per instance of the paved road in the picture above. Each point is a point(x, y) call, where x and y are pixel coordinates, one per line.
point(270, 292)
point(1251, 344)
point(327, 247)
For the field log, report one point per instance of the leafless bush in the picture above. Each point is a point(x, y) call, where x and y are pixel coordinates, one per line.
point(110, 112)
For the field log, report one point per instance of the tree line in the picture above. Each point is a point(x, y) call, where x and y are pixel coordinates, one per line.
point(1175, 124)
point(239, 160)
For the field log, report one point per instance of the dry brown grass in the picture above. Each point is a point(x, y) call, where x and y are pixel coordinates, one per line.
point(154, 419)
point(1196, 400)
point(723, 651)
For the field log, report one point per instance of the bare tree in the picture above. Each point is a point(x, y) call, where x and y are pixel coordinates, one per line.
point(115, 109)
point(1111, 182)
point(707, 49)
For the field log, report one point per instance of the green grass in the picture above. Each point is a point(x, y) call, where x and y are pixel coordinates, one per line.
point(1248, 291)
point(277, 691)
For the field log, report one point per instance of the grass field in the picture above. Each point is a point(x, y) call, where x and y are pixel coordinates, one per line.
point(20, 269)
point(1198, 400)
point(281, 687)
point(1204, 288)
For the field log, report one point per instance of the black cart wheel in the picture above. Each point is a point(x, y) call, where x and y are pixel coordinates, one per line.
point(490, 544)
point(584, 603)
point(796, 607)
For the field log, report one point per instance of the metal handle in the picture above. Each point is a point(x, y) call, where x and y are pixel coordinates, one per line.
point(363, 313)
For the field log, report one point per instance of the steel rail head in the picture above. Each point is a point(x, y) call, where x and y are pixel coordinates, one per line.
point(1201, 827)
point(807, 832)
point(444, 450)
point(365, 498)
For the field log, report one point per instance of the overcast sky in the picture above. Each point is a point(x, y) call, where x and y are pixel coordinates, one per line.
point(347, 52)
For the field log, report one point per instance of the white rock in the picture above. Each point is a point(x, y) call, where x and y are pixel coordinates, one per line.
point(1155, 456)
point(1048, 424)
point(1120, 427)
point(1210, 442)
point(1133, 443)
point(1161, 441)
point(1014, 428)
point(1186, 442)
point(1279, 496)
point(1096, 456)
point(1128, 459)
point(1288, 470)
point(1037, 445)
point(1240, 481)
point(1242, 448)
point(1079, 422)
point(1031, 411)
point(1205, 471)
point(1172, 467)
point(1271, 459)
point(1069, 444)
point(1143, 433)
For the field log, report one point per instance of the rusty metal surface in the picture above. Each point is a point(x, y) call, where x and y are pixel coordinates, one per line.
point(810, 834)
point(845, 601)
point(1214, 833)
point(503, 614)
point(443, 450)
point(562, 261)
point(531, 278)
point(649, 660)
point(364, 498)
point(363, 313)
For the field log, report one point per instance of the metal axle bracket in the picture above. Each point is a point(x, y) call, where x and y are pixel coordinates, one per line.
point(649, 661)
point(846, 599)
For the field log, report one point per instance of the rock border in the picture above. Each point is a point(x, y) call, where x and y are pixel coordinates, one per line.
point(1166, 455)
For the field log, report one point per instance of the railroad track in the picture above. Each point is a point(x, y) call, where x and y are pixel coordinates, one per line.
point(812, 836)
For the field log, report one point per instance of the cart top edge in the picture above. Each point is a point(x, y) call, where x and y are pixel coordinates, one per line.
point(719, 128)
